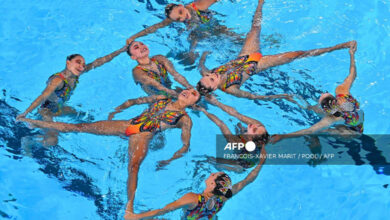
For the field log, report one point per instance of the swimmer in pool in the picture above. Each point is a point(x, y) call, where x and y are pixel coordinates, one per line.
point(60, 87)
point(255, 131)
point(206, 205)
point(162, 114)
point(153, 72)
point(340, 114)
point(232, 75)
point(197, 18)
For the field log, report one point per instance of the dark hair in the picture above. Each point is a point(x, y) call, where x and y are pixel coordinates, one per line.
point(169, 8)
point(128, 48)
point(327, 106)
point(72, 56)
point(202, 89)
point(326, 102)
point(261, 139)
point(223, 184)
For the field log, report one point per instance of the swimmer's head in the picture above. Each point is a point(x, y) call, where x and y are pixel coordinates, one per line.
point(209, 83)
point(137, 50)
point(219, 184)
point(75, 63)
point(177, 13)
point(329, 104)
point(189, 97)
point(258, 134)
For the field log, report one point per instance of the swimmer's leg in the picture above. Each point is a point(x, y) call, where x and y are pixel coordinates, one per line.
point(283, 58)
point(50, 137)
point(252, 41)
point(138, 148)
point(100, 127)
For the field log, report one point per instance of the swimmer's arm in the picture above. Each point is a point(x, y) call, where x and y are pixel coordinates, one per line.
point(53, 85)
point(222, 126)
point(187, 201)
point(325, 122)
point(232, 111)
point(141, 77)
point(252, 175)
point(137, 101)
point(347, 84)
point(186, 126)
point(102, 60)
point(150, 30)
point(233, 90)
point(203, 69)
point(171, 69)
point(204, 4)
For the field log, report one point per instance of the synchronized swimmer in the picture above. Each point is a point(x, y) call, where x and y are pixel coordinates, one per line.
point(341, 114)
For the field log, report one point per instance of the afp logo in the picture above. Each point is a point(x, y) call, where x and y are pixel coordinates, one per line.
point(249, 146)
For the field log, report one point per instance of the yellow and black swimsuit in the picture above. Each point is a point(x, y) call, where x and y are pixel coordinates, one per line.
point(150, 120)
point(235, 68)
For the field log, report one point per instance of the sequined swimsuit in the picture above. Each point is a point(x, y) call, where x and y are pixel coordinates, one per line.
point(234, 69)
point(353, 116)
point(150, 120)
point(161, 76)
point(201, 211)
point(62, 95)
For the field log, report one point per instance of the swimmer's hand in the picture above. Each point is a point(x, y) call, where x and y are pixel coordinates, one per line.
point(112, 114)
point(30, 122)
point(21, 116)
point(276, 138)
point(128, 41)
point(162, 163)
point(288, 98)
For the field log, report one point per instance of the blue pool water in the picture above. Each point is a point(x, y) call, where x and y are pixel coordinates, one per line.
point(84, 177)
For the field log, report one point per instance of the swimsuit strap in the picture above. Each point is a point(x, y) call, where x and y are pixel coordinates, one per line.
point(204, 16)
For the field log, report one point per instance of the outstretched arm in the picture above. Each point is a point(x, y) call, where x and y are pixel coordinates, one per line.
point(222, 126)
point(53, 84)
point(149, 30)
point(325, 122)
point(252, 175)
point(243, 94)
point(203, 69)
point(188, 201)
point(204, 4)
point(347, 84)
point(137, 101)
point(102, 60)
point(232, 111)
point(171, 69)
point(186, 125)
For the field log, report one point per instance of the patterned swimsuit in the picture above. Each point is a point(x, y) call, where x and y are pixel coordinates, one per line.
point(161, 77)
point(201, 211)
point(62, 95)
point(353, 116)
point(150, 120)
point(235, 68)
